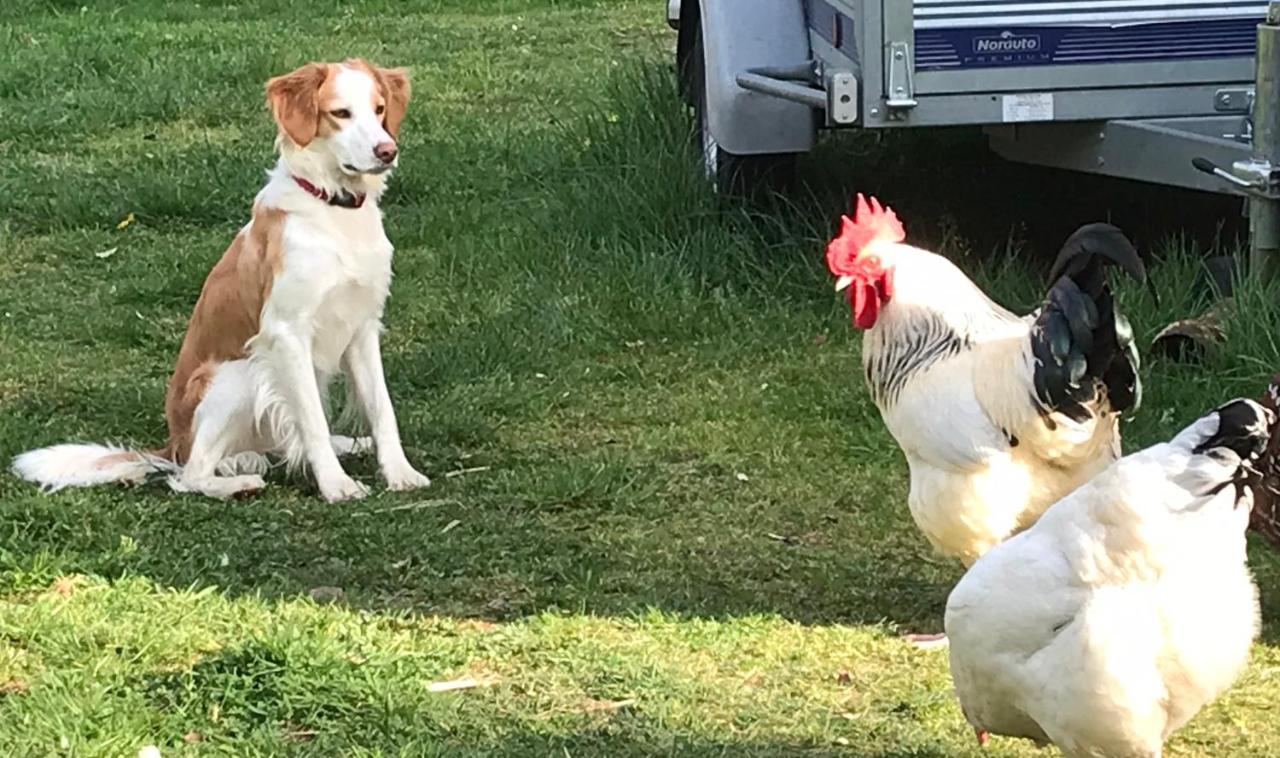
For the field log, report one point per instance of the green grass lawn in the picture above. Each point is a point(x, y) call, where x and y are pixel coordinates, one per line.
point(666, 520)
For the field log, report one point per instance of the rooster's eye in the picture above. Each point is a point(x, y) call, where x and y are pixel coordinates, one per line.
point(340, 113)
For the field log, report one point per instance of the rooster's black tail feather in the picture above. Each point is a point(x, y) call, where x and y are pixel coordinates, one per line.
point(1081, 343)
point(1089, 249)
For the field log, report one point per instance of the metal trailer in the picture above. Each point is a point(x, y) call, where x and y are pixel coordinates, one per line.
point(1178, 92)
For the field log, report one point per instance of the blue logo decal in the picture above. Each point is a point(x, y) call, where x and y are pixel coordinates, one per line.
point(1007, 43)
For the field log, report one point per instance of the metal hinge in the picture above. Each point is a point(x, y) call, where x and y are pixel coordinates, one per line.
point(902, 90)
point(1237, 100)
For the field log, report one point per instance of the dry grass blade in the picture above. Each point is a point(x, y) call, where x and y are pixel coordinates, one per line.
point(598, 706)
point(465, 683)
point(417, 505)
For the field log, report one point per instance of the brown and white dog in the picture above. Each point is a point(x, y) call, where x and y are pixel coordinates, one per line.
point(295, 300)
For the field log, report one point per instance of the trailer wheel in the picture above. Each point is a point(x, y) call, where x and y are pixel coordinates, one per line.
point(729, 173)
point(686, 39)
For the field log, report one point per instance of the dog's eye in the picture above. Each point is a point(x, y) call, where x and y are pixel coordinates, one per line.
point(340, 113)
point(381, 108)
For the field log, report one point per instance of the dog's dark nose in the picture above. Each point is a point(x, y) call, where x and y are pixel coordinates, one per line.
point(385, 151)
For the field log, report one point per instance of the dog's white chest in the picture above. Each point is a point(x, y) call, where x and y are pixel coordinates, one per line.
point(345, 309)
point(335, 279)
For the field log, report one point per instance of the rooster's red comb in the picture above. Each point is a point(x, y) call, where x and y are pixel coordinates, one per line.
point(871, 223)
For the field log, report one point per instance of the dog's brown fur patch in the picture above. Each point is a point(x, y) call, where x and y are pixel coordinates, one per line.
point(225, 317)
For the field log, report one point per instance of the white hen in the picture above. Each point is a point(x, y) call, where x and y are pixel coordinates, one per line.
point(1126, 608)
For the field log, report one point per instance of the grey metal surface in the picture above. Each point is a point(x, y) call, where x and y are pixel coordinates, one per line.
point(1157, 150)
point(739, 35)
point(1070, 105)
point(831, 58)
point(784, 89)
point(1084, 76)
point(1140, 120)
point(1150, 88)
point(955, 13)
point(869, 29)
point(1264, 212)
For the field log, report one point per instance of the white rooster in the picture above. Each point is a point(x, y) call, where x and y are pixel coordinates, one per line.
point(999, 416)
point(1128, 606)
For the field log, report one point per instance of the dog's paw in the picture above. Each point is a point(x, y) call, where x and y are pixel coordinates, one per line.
point(342, 488)
point(404, 477)
point(247, 486)
point(220, 487)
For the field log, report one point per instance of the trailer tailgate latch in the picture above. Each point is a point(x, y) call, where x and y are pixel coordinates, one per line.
point(1233, 100)
point(902, 90)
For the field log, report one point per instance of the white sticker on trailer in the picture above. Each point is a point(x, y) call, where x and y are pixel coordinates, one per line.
point(1028, 106)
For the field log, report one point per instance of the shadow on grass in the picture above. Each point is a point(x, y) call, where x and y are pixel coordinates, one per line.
point(267, 696)
point(579, 545)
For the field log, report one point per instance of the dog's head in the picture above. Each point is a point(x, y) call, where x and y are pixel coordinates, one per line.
point(348, 113)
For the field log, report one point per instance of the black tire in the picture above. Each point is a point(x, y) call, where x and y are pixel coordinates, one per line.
point(730, 173)
point(685, 44)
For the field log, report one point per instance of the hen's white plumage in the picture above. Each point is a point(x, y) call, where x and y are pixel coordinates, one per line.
point(1126, 608)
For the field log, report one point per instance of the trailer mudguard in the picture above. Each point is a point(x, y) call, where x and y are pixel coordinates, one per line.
point(742, 34)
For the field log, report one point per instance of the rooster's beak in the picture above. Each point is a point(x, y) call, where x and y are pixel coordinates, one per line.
point(843, 282)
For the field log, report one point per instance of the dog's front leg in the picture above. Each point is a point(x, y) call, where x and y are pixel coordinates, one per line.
point(287, 355)
point(364, 366)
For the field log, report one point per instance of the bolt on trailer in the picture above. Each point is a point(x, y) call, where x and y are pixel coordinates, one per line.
point(1179, 92)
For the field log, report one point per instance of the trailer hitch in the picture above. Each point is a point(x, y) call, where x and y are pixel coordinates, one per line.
point(1254, 177)
point(1258, 177)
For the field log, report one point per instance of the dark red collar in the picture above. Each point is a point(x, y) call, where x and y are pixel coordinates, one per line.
point(340, 199)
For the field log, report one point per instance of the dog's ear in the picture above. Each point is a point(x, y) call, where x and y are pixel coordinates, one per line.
point(395, 88)
point(294, 99)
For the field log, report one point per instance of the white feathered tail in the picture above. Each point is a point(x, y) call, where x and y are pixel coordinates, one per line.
point(87, 465)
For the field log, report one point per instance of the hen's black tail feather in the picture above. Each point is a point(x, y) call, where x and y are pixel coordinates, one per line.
point(1082, 345)
point(1244, 428)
